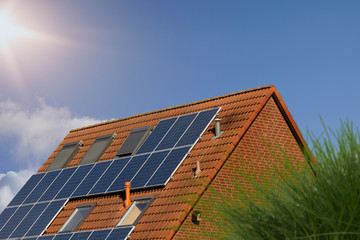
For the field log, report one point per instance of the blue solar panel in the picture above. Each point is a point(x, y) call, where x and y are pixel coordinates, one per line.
point(197, 127)
point(168, 167)
point(148, 169)
point(177, 130)
point(46, 217)
point(99, 235)
point(65, 236)
point(74, 181)
point(26, 189)
point(46, 237)
point(119, 233)
point(14, 221)
point(128, 173)
point(59, 182)
point(6, 215)
point(80, 235)
point(32, 238)
point(91, 179)
point(28, 221)
point(111, 173)
point(156, 135)
point(41, 187)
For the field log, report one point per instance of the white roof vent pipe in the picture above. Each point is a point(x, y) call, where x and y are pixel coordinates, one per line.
point(218, 131)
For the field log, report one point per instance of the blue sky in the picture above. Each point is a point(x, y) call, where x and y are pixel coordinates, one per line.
point(89, 61)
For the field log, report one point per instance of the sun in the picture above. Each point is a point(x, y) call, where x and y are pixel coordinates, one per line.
point(9, 30)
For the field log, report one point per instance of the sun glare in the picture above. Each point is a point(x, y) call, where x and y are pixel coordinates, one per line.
point(9, 30)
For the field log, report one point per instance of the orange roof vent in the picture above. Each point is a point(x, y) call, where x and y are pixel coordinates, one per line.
point(127, 194)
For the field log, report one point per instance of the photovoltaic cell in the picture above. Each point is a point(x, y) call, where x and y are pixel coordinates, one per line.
point(14, 221)
point(156, 135)
point(26, 189)
point(6, 215)
point(197, 127)
point(46, 217)
point(28, 221)
point(111, 173)
point(128, 173)
point(177, 130)
point(80, 235)
point(46, 237)
point(119, 233)
point(74, 181)
point(167, 168)
point(41, 187)
point(148, 169)
point(32, 238)
point(91, 179)
point(100, 234)
point(65, 236)
point(58, 184)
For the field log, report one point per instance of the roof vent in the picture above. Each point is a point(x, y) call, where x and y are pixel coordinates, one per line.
point(218, 131)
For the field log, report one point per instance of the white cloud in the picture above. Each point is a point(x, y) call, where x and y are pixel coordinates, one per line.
point(30, 136)
point(10, 184)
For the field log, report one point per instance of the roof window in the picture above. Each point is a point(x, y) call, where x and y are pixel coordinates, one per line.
point(97, 149)
point(77, 218)
point(133, 142)
point(65, 155)
point(136, 211)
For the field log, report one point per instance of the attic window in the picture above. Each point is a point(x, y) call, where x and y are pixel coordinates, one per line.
point(136, 211)
point(97, 149)
point(65, 155)
point(77, 218)
point(133, 142)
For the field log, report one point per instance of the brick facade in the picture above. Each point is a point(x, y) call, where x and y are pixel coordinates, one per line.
point(257, 155)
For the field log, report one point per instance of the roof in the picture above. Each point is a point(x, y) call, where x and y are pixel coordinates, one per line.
point(168, 211)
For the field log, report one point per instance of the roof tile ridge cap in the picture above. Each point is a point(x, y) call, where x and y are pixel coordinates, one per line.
point(174, 107)
point(288, 115)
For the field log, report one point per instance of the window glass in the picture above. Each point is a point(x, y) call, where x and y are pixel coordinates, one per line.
point(64, 156)
point(134, 212)
point(75, 219)
point(97, 149)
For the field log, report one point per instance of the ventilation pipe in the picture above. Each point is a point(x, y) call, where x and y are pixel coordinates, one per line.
point(197, 170)
point(127, 194)
point(218, 131)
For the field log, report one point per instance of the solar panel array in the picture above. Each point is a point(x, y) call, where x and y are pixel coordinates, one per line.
point(153, 165)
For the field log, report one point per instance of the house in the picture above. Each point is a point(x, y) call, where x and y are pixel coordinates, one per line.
point(148, 176)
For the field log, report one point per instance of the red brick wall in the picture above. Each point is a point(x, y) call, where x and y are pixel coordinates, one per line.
point(256, 155)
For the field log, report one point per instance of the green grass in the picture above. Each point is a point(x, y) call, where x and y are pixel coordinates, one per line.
point(324, 204)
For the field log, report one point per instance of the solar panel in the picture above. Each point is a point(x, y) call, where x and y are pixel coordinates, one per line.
point(80, 235)
point(177, 130)
point(197, 127)
point(6, 215)
point(14, 221)
point(46, 237)
point(109, 176)
point(26, 189)
point(168, 167)
point(128, 173)
point(156, 135)
point(119, 233)
point(41, 187)
point(65, 236)
point(28, 221)
point(46, 217)
point(74, 181)
point(32, 238)
point(99, 234)
point(95, 173)
point(60, 181)
point(150, 166)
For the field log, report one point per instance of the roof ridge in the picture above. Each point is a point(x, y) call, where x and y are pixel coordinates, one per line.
point(174, 107)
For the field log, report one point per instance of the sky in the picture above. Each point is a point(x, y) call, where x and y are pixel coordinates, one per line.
point(67, 64)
